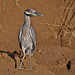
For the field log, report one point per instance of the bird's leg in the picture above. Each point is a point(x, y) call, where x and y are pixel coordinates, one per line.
point(30, 61)
point(21, 61)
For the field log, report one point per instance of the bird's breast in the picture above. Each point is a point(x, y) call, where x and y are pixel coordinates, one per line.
point(27, 36)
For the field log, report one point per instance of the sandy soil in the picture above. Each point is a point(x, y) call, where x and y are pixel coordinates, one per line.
point(49, 57)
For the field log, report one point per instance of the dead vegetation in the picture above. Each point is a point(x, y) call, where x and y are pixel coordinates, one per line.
point(65, 28)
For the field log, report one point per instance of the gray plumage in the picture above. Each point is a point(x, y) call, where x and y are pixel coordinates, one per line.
point(26, 35)
point(32, 36)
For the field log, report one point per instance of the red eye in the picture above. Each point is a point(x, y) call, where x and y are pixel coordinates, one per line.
point(30, 11)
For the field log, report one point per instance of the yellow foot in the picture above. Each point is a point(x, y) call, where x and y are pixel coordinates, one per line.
point(30, 69)
point(20, 68)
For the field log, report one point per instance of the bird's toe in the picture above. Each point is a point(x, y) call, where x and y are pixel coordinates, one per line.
point(30, 69)
point(20, 68)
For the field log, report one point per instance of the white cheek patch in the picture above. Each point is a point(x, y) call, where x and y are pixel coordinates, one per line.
point(28, 12)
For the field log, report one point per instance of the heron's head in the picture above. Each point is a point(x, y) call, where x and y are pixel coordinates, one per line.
point(31, 12)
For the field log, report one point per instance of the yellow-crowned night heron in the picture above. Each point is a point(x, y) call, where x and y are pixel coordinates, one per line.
point(27, 35)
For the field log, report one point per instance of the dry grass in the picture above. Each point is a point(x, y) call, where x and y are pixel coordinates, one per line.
point(4, 3)
point(17, 4)
point(65, 28)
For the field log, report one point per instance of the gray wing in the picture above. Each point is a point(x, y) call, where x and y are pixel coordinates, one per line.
point(32, 33)
point(19, 36)
point(33, 37)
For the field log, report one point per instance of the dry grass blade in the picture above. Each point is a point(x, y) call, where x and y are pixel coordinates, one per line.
point(72, 16)
point(16, 2)
point(65, 16)
point(67, 5)
point(55, 34)
point(4, 4)
point(2, 29)
point(49, 25)
point(46, 23)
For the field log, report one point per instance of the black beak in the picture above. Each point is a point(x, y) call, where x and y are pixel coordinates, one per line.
point(38, 14)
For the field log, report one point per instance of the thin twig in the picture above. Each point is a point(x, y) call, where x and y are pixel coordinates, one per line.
point(2, 29)
point(16, 2)
point(64, 19)
point(46, 23)
point(4, 4)
point(51, 28)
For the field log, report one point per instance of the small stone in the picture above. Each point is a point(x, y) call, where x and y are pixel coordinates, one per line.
point(39, 51)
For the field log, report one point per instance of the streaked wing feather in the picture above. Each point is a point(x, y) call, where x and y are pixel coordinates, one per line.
point(19, 36)
point(33, 37)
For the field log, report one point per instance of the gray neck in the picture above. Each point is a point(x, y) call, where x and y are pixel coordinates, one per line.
point(27, 20)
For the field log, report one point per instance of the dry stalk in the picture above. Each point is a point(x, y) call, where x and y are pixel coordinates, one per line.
point(2, 29)
point(70, 31)
point(62, 32)
point(36, 20)
point(16, 2)
point(49, 25)
point(65, 15)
